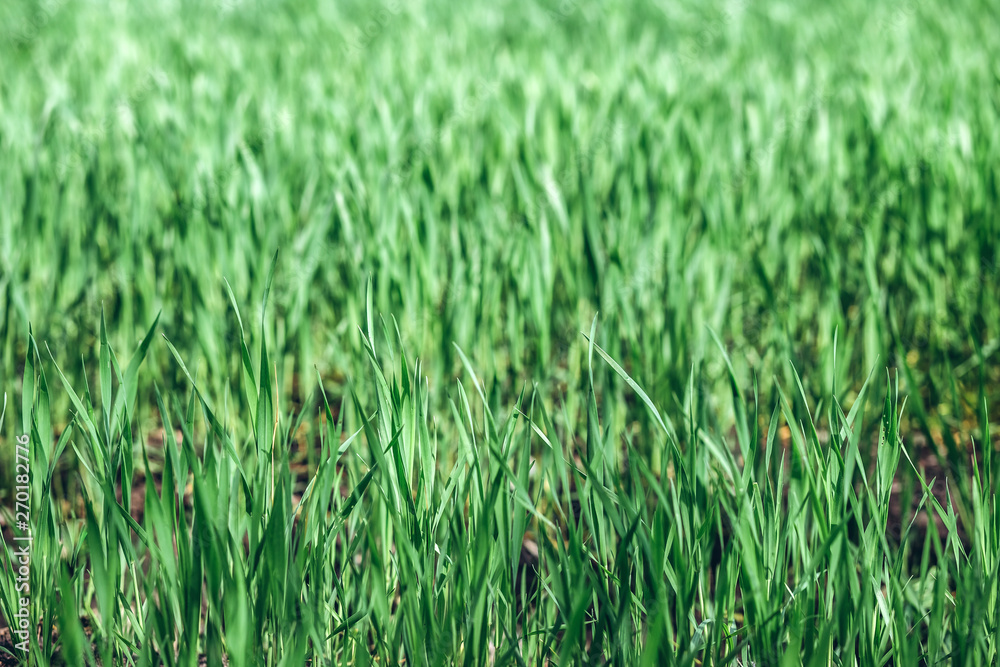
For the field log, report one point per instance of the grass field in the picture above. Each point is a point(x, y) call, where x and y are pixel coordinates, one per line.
point(500, 333)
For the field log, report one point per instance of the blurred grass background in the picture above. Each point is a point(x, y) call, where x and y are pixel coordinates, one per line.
point(504, 171)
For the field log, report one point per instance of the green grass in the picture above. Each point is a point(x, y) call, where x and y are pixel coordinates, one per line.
point(647, 255)
point(700, 549)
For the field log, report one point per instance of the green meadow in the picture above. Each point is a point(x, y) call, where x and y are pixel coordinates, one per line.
point(499, 333)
